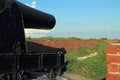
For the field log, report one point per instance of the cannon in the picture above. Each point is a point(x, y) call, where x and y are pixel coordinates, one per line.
point(16, 62)
point(14, 17)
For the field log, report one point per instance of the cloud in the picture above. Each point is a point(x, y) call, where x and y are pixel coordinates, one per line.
point(37, 32)
point(33, 4)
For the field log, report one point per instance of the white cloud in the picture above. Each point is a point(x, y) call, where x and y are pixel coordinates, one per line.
point(33, 4)
point(36, 32)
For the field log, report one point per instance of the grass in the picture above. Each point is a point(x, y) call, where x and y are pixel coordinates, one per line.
point(93, 67)
point(53, 38)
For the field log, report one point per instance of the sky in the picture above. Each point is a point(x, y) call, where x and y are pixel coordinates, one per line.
point(79, 18)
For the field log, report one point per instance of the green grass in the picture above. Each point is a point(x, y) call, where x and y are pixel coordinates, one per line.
point(93, 67)
point(53, 38)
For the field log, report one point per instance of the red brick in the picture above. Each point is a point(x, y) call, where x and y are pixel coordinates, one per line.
point(112, 49)
point(112, 68)
point(67, 44)
point(112, 59)
point(112, 76)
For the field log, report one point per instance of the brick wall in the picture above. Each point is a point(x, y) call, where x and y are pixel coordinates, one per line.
point(67, 44)
point(113, 62)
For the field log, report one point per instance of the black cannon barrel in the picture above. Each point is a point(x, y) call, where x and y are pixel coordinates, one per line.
point(36, 19)
point(32, 18)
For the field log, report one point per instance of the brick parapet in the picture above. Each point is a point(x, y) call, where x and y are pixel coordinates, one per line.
point(113, 62)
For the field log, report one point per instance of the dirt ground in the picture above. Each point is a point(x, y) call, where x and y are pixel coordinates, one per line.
point(75, 77)
point(64, 77)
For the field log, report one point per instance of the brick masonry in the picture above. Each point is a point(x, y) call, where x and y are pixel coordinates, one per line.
point(67, 44)
point(113, 62)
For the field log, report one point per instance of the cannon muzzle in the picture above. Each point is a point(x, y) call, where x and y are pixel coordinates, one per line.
point(32, 18)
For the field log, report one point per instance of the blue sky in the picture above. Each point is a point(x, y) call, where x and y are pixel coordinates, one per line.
point(80, 18)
